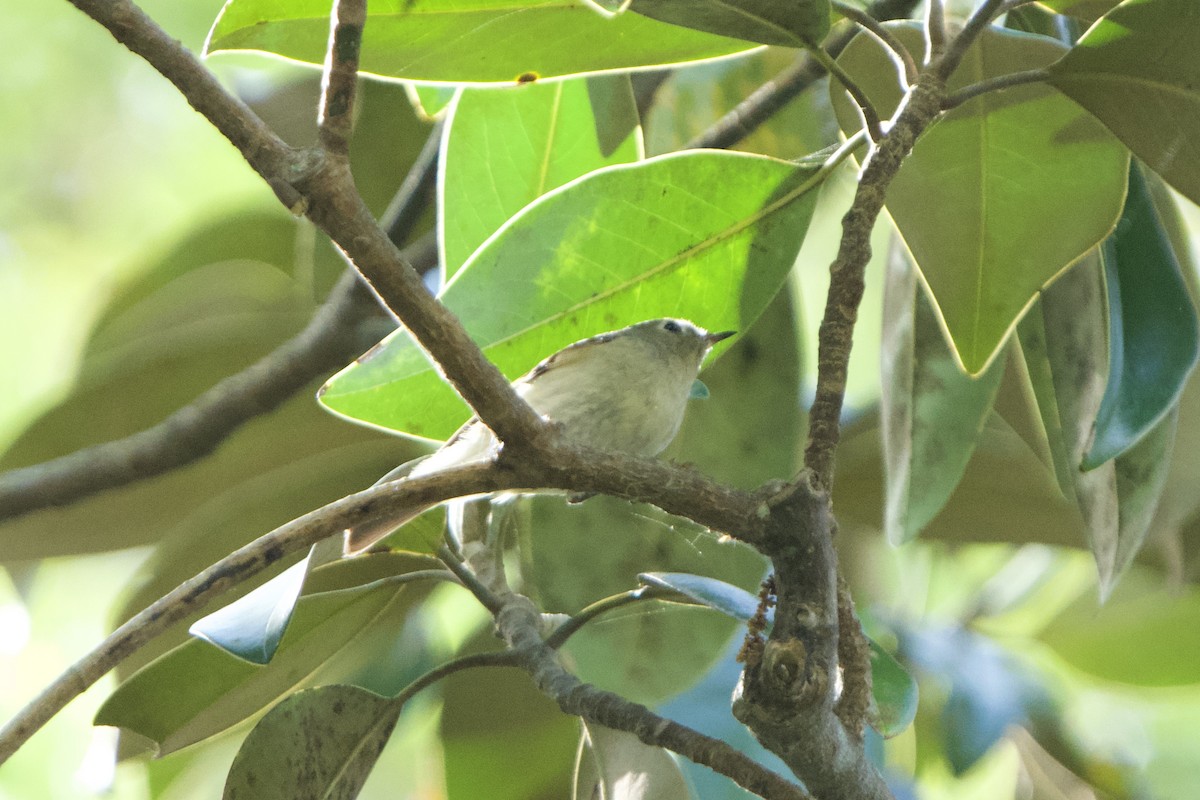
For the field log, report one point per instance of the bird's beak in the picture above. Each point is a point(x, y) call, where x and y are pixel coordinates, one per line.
point(712, 338)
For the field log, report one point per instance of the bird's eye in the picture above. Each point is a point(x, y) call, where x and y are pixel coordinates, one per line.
point(672, 326)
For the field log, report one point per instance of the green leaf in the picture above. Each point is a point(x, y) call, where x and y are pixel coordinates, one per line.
point(498, 731)
point(1153, 336)
point(1137, 71)
point(618, 246)
point(486, 41)
point(616, 765)
point(1063, 342)
point(801, 23)
point(730, 600)
point(895, 692)
point(1007, 168)
point(932, 412)
point(508, 146)
point(197, 690)
point(320, 742)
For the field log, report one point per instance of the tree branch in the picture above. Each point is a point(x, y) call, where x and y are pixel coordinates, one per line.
point(869, 115)
point(982, 17)
point(899, 52)
point(340, 77)
point(935, 30)
point(518, 622)
point(328, 341)
point(309, 181)
point(921, 106)
point(769, 98)
point(999, 83)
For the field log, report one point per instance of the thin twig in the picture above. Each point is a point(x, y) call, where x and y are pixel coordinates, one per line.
point(957, 47)
point(869, 115)
point(998, 83)
point(935, 30)
point(768, 99)
point(903, 58)
point(338, 81)
point(572, 626)
point(503, 658)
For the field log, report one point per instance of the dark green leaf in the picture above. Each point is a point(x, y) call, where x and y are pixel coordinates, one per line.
point(1137, 71)
point(318, 743)
point(508, 146)
point(1153, 335)
point(616, 765)
point(895, 692)
point(800, 23)
point(1007, 168)
point(1063, 344)
point(620, 245)
point(489, 41)
point(932, 411)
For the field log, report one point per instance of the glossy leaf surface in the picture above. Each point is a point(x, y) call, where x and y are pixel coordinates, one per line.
point(618, 246)
point(485, 41)
point(996, 173)
point(508, 146)
point(1153, 336)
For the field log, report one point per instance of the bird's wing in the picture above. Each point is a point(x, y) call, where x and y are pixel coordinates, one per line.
point(568, 355)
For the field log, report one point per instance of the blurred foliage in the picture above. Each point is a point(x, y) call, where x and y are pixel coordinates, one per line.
point(141, 261)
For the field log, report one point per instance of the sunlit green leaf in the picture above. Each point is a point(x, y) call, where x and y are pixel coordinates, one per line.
point(795, 24)
point(320, 742)
point(932, 412)
point(1089, 10)
point(508, 146)
point(618, 246)
point(486, 41)
point(1006, 169)
point(1137, 71)
point(1153, 339)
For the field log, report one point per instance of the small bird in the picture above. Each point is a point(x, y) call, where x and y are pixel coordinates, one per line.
point(623, 391)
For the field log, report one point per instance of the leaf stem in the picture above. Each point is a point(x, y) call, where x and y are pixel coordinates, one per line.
point(998, 83)
point(902, 57)
point(563, 632)
point(869, 114)
point(935, 30)
point(957, 48)
point(503, 658)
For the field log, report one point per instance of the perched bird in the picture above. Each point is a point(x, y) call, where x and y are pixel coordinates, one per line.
point(624, 391)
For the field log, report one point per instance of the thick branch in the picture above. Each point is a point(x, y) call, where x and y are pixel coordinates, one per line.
point(787, 697)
